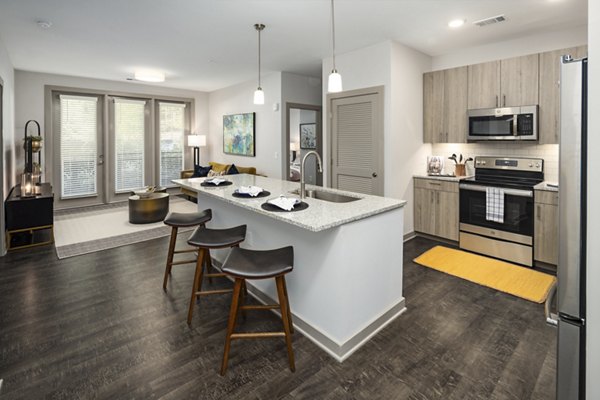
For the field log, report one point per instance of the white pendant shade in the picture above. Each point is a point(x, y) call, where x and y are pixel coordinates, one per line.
point(334, 85)
point(196, 140)
point(259, 96)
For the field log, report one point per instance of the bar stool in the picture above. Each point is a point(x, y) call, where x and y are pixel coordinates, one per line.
point(182, 220)
point(205, 240)
point(243, 264)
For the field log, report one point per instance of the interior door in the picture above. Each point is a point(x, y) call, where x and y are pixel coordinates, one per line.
point(79, 146)
point(357, 143)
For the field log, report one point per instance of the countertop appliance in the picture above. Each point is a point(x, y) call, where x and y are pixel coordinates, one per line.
point(572, 213)
point(514, 179)
point(507, 123)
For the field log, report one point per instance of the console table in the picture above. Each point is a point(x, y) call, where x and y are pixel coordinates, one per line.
point(29, 220)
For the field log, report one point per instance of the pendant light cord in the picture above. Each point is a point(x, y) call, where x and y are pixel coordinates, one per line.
point(333, 33)
point(258, 29)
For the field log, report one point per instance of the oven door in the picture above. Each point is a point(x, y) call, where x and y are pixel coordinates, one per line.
point(518, 210)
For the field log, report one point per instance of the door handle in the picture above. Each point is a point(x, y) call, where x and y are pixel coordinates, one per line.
point(100, 159)
point(551, 318)
point(374, 174)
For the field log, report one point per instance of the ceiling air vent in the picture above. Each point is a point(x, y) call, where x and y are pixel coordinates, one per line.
point(490, 21)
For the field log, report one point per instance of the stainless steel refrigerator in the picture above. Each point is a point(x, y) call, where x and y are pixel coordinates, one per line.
point(571, 295)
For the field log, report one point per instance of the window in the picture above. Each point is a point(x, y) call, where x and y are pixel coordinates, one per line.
point(129, 123)
point(78, 145)
point(171, 117)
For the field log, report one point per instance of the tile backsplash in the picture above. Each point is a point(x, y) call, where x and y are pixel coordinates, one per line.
point(548, 152)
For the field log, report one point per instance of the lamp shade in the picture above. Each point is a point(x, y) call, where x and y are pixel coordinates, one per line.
point(196, 140)
point(334, 84)
point(259, 96)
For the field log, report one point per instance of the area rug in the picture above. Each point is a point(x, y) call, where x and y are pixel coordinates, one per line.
point(87, 230)
point(500, 275)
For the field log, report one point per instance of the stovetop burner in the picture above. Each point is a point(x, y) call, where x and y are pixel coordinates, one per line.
point(514, 173)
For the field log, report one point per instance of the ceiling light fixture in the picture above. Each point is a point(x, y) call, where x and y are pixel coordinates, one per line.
point(334, 84)
point(456, 23)
point(149, 76)
point(259, 95)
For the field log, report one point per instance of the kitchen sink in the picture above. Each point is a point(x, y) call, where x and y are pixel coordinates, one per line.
point(327, 196)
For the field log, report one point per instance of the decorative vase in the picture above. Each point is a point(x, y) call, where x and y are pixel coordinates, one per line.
point(460, 170)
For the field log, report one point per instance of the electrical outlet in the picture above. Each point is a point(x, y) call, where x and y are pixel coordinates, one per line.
point(276, 155)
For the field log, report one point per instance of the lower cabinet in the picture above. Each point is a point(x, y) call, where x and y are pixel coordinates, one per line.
point(436, 208)
point(545, 240)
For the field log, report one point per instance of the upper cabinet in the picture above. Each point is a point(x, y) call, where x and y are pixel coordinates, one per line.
point(445, 106)
point(518, 81)
point(549, 110)
point(506, 83)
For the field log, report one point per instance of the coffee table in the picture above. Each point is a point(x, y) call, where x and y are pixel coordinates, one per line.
point(150, 208)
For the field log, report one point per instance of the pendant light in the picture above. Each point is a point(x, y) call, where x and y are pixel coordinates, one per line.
point(259, 95)
point(334, 84)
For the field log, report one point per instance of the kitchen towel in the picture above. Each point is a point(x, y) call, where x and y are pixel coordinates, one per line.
point(216, 181)
point(494, 204)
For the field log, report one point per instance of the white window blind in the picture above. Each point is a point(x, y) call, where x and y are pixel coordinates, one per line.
point(78, 145)
point(172, 130)
point(130, 130)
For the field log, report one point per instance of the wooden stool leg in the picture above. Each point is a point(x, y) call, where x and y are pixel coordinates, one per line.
point(287, 302)
point(197, 283)
point(231, 323)
point(170, 257)
point(286, 321)
point(243, 293)
point(208, 264)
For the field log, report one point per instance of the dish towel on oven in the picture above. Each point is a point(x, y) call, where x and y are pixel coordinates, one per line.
point(494, 204)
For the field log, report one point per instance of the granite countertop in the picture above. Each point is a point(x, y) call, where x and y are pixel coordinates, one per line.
point(450, 178)
point(544, 186)
point(319, 216)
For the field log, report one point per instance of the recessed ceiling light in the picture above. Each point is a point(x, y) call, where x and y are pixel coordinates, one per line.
point(44, 24)
point(456, 23)
point(149, 76)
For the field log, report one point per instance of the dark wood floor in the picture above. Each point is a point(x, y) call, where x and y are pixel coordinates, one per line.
point(100, 326)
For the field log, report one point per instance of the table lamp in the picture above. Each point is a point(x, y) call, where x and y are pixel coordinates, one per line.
point(196, 141)
point(294, 147)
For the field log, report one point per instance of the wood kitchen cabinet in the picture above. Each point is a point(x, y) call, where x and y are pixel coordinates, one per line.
point(505, 83)
point(445, 106)
point(436, 207)
point(549, 97)
point(545, 240)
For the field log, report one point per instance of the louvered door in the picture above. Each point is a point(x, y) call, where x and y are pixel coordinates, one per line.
point(357, 144)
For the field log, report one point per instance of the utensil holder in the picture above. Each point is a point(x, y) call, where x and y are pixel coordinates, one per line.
point(460, 170)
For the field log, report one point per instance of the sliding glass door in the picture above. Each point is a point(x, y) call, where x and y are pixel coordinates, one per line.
point(171, 135)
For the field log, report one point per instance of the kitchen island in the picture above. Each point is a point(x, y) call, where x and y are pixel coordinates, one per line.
point(347, 279)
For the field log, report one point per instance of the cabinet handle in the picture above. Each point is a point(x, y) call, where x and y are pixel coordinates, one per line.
point(437, 196)
point(496, 100)
point(539, 212)
point(435, 184)
point(503, 100)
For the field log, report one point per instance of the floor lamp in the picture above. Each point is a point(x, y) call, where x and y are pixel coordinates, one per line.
point(196, 141)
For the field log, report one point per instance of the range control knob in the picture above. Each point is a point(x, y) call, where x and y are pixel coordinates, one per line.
point(530, 165)
point(483, 163)
point(537, 165)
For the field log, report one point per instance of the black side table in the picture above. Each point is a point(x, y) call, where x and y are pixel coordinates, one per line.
point(29, 220)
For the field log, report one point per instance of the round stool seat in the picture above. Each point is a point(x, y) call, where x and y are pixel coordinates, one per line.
point(188, 219)
point(217, 238)
point(259, 264)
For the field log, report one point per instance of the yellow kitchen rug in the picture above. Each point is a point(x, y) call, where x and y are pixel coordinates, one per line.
point(506, 277)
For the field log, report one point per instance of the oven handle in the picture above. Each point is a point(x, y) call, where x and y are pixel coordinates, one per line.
point(510, 192)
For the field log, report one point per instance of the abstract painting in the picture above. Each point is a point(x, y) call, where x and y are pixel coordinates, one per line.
point(238, 134)
point(308, 136)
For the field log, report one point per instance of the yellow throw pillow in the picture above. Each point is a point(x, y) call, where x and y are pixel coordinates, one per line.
point(217, 167)
point(246, 170)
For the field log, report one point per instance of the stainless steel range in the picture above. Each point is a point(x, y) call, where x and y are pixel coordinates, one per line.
point(497, 208)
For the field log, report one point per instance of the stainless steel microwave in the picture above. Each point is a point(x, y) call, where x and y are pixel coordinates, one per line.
point(508, 123)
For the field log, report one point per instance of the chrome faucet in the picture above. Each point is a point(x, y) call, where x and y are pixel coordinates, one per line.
point(319, 166)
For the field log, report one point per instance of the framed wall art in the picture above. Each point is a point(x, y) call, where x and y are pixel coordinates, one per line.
point(239, 134)
point(308, 136)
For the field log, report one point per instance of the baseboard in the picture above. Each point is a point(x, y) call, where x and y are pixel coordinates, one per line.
point(339, 351)
point(409, 236)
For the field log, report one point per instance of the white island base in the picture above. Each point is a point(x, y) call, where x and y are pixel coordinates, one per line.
point(347, 280)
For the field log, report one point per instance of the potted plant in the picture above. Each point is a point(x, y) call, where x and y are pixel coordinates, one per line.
point(36, 143)
point(460, 165)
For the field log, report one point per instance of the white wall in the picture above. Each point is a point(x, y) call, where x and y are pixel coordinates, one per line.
point(399, 69)
point(7, 142)
point(593, 239)
point(520, 46)
point(239, 99)
point(29, 99)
